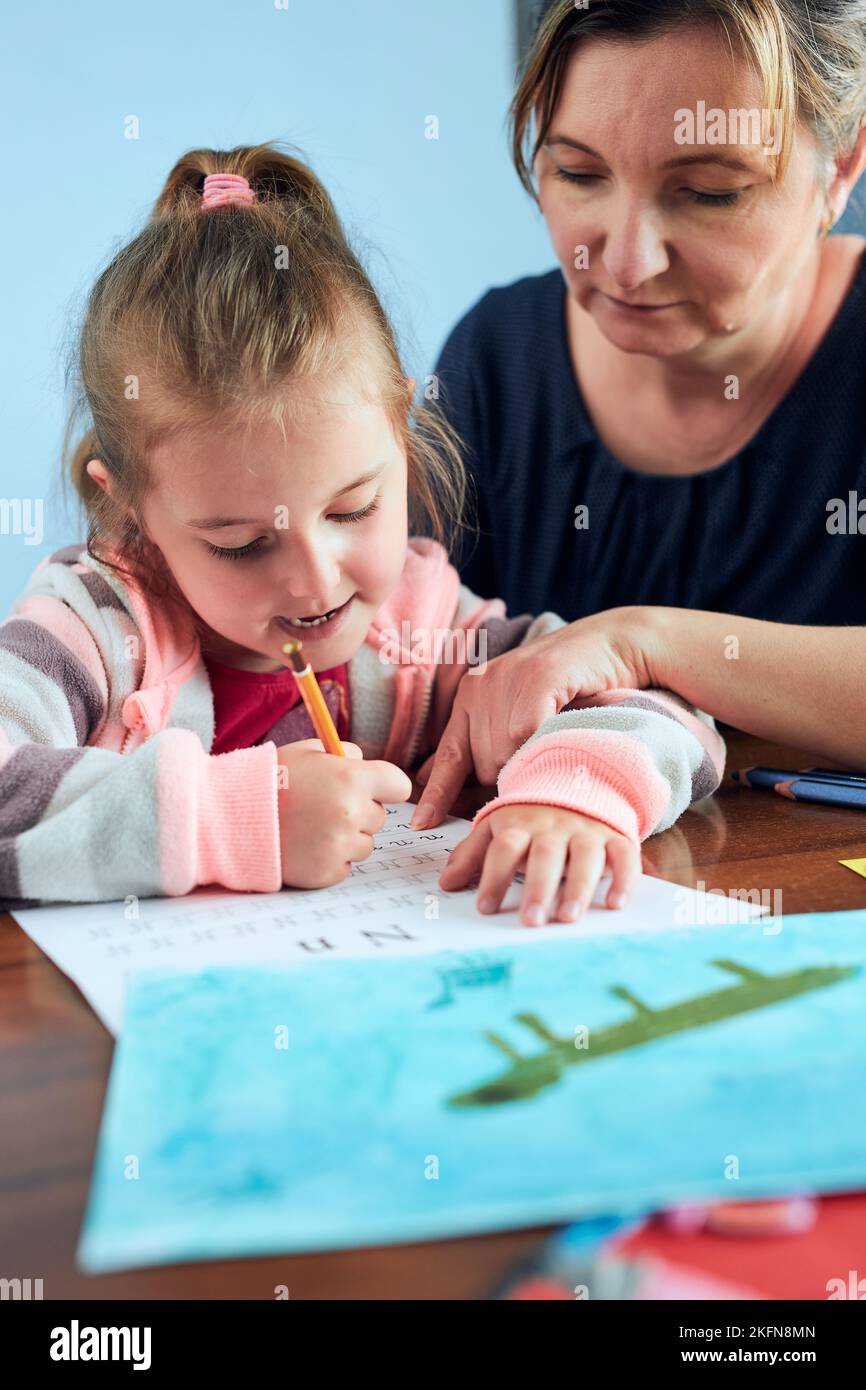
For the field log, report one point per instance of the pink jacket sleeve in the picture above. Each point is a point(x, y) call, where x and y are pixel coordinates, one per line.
point(634, 759)
point(84, 823)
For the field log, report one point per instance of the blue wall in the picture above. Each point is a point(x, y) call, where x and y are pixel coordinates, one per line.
point(349, 83)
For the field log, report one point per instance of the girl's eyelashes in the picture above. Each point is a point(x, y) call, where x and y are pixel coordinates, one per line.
point(244, 550)
point(359, 515)
point(238, 554)
point(705, 199)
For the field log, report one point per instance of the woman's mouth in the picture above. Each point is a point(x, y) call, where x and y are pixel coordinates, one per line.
point(641, 308)
point(313, 626)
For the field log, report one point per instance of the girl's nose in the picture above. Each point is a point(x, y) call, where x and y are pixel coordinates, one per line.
point(312, 571)
point(634, 248)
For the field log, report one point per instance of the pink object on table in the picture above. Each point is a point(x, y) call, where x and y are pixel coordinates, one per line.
point(788, 1217)
point(685, 1219)
point(664, 1280)
point(782, 1217)
point(539, 1288)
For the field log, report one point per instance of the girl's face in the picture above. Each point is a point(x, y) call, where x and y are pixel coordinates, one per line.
point(683, 242)
point(258, 530)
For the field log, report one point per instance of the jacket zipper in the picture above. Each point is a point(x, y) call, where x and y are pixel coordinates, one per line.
point(421, 722)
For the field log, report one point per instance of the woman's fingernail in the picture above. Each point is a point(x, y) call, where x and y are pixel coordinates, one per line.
point(535, 916)
point(571, 910)
point(617, 900)
point(486, 905)
point(421, 817)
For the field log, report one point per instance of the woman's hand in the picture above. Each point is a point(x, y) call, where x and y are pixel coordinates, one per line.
point(547, 842)
point(497, 708)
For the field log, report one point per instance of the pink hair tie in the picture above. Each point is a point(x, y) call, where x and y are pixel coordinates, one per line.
point(221, 190)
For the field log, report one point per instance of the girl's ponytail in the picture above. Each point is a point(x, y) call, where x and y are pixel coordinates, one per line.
point(272, 175)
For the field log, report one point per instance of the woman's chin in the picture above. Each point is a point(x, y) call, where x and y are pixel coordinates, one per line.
point(651, 338)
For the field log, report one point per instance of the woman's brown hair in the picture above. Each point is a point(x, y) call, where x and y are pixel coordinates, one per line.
point(811, 55)
point(212, 317)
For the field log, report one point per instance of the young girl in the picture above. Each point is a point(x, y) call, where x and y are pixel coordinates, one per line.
point(251, 473)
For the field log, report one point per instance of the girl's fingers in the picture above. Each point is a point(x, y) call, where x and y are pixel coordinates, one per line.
point(623, 860)
point(362, 847)
point(466, 858)
point(504, 856)
point(543, 876)
point(586, 860)
point(374, 819)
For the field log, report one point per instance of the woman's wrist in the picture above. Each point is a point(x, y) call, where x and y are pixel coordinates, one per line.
point(644, 638)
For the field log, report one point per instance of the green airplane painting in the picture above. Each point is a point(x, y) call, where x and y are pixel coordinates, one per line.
point(528, 1074)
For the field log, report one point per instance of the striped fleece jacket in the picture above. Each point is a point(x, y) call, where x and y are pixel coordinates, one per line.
point(108, 787)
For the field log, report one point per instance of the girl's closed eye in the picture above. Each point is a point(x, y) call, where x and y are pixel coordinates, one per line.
point(358, 515)
point(240, 552)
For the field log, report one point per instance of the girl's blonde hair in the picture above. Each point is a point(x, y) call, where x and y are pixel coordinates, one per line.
point(211, 318)
point(811, 55)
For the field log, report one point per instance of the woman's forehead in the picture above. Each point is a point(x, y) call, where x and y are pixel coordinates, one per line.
point(646, 81)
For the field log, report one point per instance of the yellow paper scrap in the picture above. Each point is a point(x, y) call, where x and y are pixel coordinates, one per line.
point(858, 865)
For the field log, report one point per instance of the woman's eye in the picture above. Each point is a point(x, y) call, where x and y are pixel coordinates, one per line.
point(356, 516)
point(706, 199)
point(238, 554)
point(570, 177)
point(719, 199)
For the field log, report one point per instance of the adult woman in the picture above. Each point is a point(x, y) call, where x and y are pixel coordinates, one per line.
point(674, 439)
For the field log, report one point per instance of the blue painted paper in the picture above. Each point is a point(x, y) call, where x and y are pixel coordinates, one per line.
point(365, 1102)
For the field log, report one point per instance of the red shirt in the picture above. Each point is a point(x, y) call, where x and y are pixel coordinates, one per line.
point(253, 707)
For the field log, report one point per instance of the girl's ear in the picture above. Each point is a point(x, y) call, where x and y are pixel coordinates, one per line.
point(411, 383)
point(99, 473)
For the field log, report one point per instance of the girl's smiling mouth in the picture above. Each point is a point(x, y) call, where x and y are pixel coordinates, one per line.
point(315, 628)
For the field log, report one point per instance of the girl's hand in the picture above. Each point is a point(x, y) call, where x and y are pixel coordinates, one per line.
point(497, 708)
point(330, 808)
point(547, 842)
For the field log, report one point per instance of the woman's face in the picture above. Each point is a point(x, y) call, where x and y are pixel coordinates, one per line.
point(257, 529)
point(684, 242)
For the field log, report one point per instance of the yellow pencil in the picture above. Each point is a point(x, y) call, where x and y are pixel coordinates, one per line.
point(313, 698)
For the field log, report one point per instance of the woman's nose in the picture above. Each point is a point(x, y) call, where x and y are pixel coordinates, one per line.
point(634, 248)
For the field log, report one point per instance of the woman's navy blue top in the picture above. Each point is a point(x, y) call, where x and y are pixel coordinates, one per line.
point(749, 537)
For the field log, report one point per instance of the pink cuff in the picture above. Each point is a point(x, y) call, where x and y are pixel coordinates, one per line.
point(238, 821)
point(588, 776)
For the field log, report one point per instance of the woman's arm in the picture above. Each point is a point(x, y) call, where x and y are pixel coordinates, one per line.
point(804, 686)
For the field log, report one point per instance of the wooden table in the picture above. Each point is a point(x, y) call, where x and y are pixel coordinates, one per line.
point(55, 1059)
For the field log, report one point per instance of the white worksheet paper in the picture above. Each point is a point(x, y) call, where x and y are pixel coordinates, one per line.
point(390, 904)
